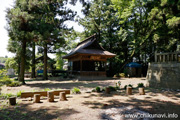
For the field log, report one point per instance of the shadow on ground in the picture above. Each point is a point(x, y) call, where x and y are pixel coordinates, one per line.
point(68, 85)
point(25, 112)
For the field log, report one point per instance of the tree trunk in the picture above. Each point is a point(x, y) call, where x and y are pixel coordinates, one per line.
point(45, 77)
point(18, 71)
point(33, 61)
point(22, 66)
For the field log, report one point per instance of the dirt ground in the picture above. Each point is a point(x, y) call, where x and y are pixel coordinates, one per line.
point(87, 105)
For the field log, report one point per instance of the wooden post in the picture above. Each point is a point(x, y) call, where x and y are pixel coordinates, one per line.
point(62, 96)
point(50, 96)
point(107, 90)
point(12, 101)
point(80, 65)
point(129, 90)
point(155, 56)
point(167, 57)
point(164, 57)
point(172, 57)
point(141, 91)
point(36, 98)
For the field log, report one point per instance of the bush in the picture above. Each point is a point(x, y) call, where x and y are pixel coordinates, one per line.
point(14, 84)
point(98, 89)
point(76, 90)
point(122, 74)
point(128, 86)
point(5, 81)
point(112, 88)
point(93, 90)
point(140, 85)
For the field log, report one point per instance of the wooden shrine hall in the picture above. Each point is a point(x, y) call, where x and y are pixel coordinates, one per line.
point(88, 58)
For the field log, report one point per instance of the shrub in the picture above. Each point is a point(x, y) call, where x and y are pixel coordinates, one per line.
point(117, 88)
point(140, 85)
point(5, 80)
point(128, 86)
point(103, 89)
point(93, 90)
point(14, 84)
point(122, 74)
point(76, 90)
point(98, 89)
point(112, 88)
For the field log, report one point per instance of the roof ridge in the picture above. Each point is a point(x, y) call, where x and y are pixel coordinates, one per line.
point(86, 39)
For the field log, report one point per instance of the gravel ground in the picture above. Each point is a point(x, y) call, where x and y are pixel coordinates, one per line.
point(90, 105)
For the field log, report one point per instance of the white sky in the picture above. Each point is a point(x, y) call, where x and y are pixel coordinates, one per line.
point(3, 32)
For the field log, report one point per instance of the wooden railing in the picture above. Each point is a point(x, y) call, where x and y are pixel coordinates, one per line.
point(167, 57)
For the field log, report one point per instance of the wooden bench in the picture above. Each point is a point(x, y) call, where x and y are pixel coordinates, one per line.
point(42, 93)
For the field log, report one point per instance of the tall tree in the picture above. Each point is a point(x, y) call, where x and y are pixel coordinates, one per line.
point(19, 29)
point(50, 18)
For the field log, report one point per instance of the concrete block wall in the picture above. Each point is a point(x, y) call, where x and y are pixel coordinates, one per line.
point(164, 75)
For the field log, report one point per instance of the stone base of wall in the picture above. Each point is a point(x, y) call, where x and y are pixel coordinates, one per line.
point(164, 75)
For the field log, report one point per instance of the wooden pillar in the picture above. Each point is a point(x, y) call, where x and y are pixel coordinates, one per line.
point(164, 57)
point(175, 57)
point(80, 65)
point(141, 91)
point(155, 56)
point(50, 95)
point(129, 90)
point(36, 98)
point(172, 57)
point(62, 96)
point(107, 90)
point(12, 101)
point(167, 57)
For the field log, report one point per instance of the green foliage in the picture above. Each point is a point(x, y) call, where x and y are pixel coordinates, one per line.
point(6, 96)
point(76, 90)
point(5, 80)
point(14, 84)
point(3, 59)
point(128, 86)
point(112, 88)
point(98, 89)
point(140, 85)
point(46, 89)
point(18, 94)
point(11, 63)
point(93, 90)
point(122, 75)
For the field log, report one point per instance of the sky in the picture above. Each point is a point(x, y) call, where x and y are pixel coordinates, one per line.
point(3, 32)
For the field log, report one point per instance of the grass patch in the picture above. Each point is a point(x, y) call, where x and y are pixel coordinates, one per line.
point(76, 90)
point(18, 94)
point(6, 96)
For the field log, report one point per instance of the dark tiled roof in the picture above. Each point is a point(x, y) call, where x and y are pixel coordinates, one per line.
point(85, 47)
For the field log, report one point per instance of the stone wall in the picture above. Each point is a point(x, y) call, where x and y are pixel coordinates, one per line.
point(164, 75)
